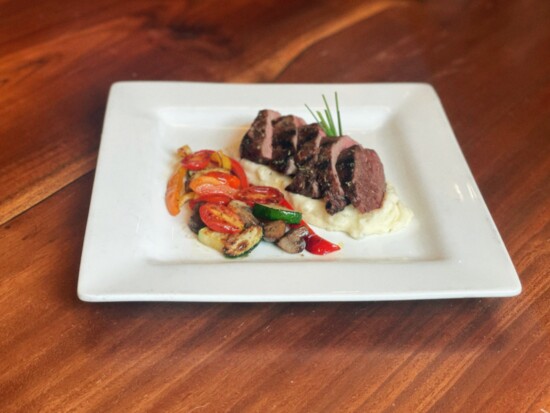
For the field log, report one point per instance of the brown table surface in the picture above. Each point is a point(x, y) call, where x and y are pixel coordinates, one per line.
point(490, 63)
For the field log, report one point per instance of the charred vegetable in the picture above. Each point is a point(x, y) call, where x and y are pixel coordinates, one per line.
point(220, 218)
point(277, 212)
point(273, 230)
point(212, 239)
point(243, 242)
point(228, 214)
point(294, 241)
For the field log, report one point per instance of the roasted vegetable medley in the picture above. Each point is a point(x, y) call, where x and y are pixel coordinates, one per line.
point(231, 216)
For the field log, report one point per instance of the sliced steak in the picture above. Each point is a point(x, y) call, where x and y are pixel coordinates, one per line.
point(327, 176)
point(361, 174)
point(256, 144)
point(305, 180)
point(285, 141)
point(337, 169)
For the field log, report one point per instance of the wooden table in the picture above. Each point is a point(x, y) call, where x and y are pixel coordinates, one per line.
point(490, 63)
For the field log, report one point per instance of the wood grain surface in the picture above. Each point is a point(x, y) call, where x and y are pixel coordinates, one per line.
point(490, 63)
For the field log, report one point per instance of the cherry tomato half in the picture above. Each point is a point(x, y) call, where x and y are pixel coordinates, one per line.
point(206, 185)
point(197, 160)
point(208, 189)
point(220, 218)
point(225, 178)
point(259, 195)
point(212, 198)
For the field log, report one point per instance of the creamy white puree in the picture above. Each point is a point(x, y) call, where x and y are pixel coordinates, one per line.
point(391, 216)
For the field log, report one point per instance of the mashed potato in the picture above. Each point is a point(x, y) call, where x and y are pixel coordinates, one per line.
point(392, 216)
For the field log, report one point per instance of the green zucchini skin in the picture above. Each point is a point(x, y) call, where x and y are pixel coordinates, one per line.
point(239, 245)
point(276, 212)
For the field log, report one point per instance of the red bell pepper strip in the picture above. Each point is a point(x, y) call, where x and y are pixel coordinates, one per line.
point(320, 246)
point(314, 243)
point(238, 170)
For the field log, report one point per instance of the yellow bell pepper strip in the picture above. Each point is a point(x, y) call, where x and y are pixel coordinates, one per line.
point(221, 159)
point(187, 198)
point(184, 151)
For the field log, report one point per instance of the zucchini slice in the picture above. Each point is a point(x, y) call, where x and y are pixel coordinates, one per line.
point(242, 243)
point(212, 239)
point(274, 212)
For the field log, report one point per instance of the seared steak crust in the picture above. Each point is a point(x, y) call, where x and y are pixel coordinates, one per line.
point(256, 144)
point(361, 174)
point(305, 180)
point(329, 182)
point(336, 169)
point(285, 141)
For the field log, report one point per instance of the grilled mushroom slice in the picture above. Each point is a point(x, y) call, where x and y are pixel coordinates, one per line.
point(293, 241)
point(273, 230)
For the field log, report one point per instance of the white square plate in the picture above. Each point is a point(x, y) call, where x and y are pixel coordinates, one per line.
point(135, 251)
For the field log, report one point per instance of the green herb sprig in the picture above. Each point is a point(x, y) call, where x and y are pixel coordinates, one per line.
point(327, 121)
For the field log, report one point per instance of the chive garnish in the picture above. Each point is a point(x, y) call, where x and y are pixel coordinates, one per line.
point(327, 121)
point(338, 114)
